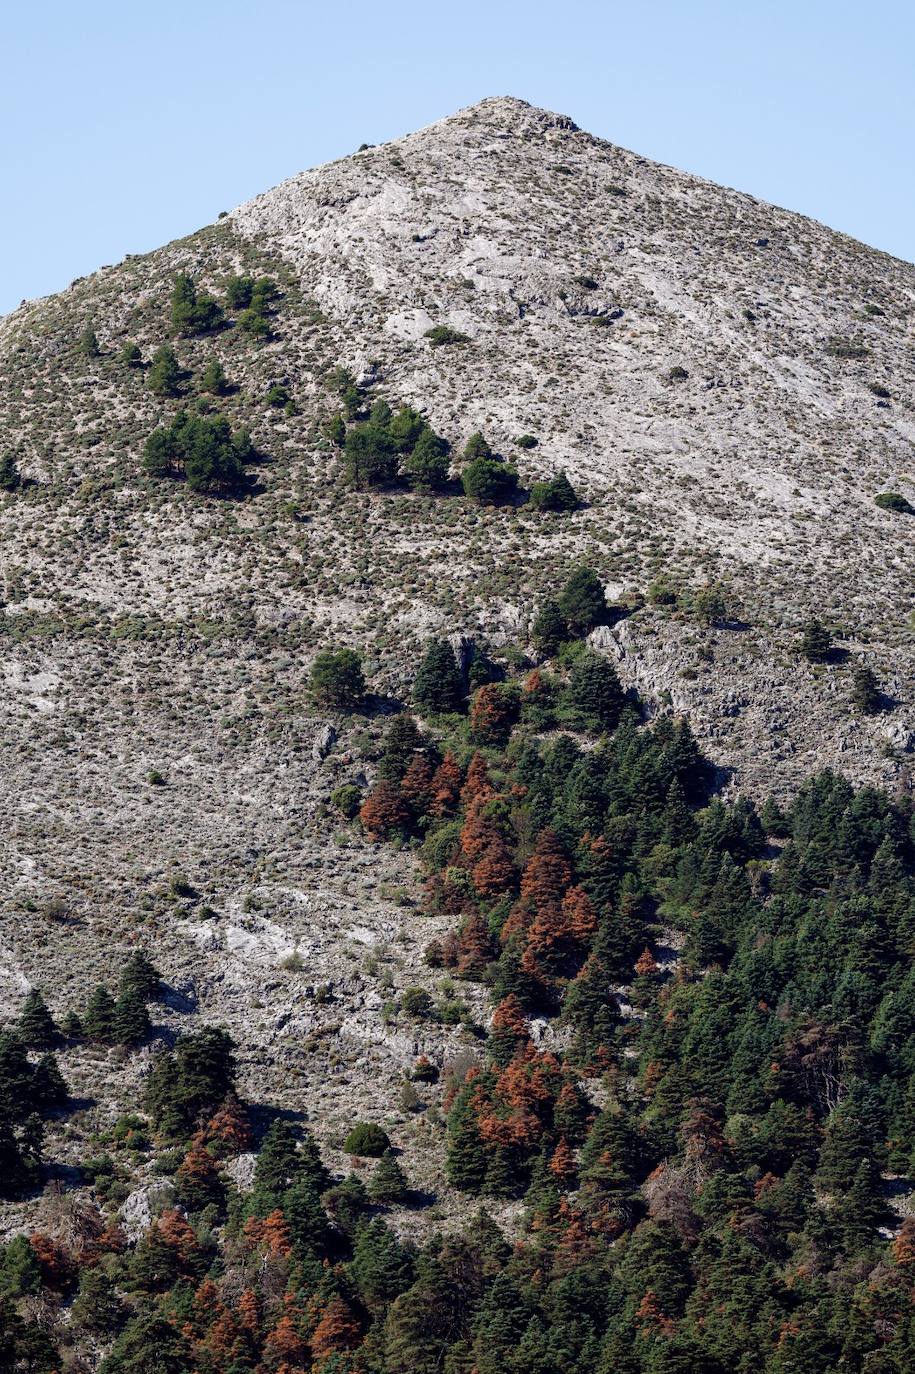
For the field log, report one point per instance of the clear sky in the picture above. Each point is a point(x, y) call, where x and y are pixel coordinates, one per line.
point(129, 124)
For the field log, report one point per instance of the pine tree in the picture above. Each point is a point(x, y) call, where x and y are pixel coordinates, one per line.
point(337, 1330)
point(594, 694)
point(489, 481)
point(466, 1160)
point(48, 1086)
point(336, 678)
point(438, 687)
point(276, 1167)
point(388, 1182)
point(816, 642)
point(305, 1217)
point(98, 1018)
point(427, 464)
point(97, 1306)
point(402, 739)
point(582, 601)
point(370, 454)
point(193, 311)
point(165, 373)
point(142, 977)
point(554, 494)
point(198, 1179)
point(865, 692)
point(476, 447)
point(384, 811)
point(214, 379)
point(549, 630)
point(131, 1025)
point(381, 1267)
point(36, 1024)
point(88, 343)
point(10, 478)
point(131, 355)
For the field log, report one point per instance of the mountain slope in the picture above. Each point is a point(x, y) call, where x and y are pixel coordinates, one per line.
point(149, 630)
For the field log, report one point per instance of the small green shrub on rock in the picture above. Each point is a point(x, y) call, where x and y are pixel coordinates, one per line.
point(367, 1139)
point(894, 501)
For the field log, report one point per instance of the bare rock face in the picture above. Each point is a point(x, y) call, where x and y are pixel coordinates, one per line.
point(143, 1206)
point(727, 384)
point(324, 740)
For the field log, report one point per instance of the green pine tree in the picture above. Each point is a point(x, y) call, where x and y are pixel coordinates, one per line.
point(10, 477)
point(164, 377)
point(36, 1024)
point(549, 630)
point(438, 687)
point(98, 1018)
point(582, 601)
point(131, 1025)
point(388, 1182)
point(816, 642)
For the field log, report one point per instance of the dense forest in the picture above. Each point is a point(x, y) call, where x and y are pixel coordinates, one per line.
point(697, 1084)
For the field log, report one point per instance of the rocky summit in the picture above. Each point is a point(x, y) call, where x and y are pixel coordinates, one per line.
point(191, 514)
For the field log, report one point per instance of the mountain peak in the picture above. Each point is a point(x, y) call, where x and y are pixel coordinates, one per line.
point(512, 114)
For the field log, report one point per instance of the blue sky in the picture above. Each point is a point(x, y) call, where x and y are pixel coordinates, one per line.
point(126, 125)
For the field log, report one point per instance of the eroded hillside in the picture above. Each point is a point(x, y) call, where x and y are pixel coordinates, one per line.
point(150, 630)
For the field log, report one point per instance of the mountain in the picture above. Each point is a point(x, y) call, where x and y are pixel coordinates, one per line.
point(727, 386)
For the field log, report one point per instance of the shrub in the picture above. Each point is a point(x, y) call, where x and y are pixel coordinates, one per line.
point(336, 678)
point(489, 481)
point(277, 395)
point(367, 1139)
point(416, 1002)
point(347, 799)
point(444, 334)
point(894, 501)
point(526, 441)
point(847, 348)
point(661, 593)
point(708, 603)
point(334, 429)
point(677, 374)
point(130, 355)
point(582, 601)
point(554, 493)
point(254, 322)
